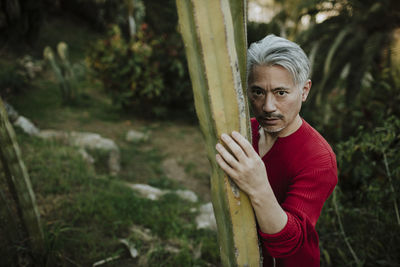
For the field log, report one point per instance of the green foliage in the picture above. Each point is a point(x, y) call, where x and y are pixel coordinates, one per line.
point(126, 69)
point(367, 199)
point(85, 213)
point(354, 104)
point(63, 71)
point(12, 80)
point(349, 52)
point(372, 149)
point(146, 73)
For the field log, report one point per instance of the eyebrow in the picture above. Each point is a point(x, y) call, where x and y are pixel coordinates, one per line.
point(279, 88)
point(256, 87)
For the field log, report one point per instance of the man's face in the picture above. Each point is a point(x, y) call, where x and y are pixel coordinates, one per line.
point(275, 99)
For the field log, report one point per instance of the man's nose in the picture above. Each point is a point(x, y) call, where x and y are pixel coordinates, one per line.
point(269, 104)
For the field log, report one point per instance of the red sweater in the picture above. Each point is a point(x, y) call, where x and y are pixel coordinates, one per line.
point(302, 172)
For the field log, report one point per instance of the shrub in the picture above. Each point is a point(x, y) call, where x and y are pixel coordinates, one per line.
point(146, 72)
point(12, 80)
point(125, 68)
point(361, 225)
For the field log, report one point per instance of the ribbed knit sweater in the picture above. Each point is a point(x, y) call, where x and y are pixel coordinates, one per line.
point(302, 172)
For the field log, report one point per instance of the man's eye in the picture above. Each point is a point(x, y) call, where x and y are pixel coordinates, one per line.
point(282, 93)
point(257, 92)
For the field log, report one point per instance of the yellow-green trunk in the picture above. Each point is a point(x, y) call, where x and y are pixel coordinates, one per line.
point(217, 74)
point(19, 184)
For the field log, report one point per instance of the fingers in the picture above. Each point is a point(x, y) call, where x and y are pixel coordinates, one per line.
point(226, 156)
point(234, 147)
point(227, 169)
point(244, 144)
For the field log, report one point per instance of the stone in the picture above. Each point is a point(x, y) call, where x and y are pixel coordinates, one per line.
point(187, 195)
point(147, 191)
point(86, 156)
point(91, 141)
point(11, 112)
point(130, 246)
point(27, 126)
point(206, 218)
point(85, 140)
point(135, 136)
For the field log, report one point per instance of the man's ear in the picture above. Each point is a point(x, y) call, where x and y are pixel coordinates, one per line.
point(306, 90)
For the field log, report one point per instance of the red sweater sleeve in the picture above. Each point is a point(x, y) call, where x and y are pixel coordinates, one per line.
point(304, 200)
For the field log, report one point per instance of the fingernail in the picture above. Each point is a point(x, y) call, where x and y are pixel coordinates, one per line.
point(224, 136)
point(235, 133)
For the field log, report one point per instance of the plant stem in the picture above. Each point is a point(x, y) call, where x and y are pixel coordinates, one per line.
point(389, 175)
point(334, 200)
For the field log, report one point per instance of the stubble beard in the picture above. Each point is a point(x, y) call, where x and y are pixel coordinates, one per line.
point(272, 130)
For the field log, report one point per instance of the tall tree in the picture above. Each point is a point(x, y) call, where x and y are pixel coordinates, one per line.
point(213, 48)
point(19, 185)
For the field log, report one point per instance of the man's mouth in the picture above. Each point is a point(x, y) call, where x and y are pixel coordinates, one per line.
point(272, 118)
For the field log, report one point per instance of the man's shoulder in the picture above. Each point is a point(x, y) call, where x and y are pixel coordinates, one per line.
point(313, 139)
point(314, 147)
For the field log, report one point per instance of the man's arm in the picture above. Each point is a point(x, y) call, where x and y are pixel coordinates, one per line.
point(282, 236)
point(248, 171)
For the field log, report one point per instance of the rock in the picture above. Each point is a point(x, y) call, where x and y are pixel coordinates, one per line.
point(85, 140)
point(130, 246)
point(206, 218)
point(96, 141)
point(147, 191)
point(91, 141)
point(154, 193)
point(11, 112)
point(187, 195)
point(86, 156)
point(26, 125)
point(135, 136)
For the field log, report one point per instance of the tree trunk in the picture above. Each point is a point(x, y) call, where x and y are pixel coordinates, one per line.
point(19, 184)
point(217, 72)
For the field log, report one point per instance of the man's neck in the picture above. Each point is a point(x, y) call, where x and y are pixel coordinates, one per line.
point(291, 128)
point(267, 140)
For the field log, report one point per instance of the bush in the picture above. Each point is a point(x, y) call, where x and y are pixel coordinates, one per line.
point(126, 68)
point(147, 73)
point(363, 215)
point(12, 80)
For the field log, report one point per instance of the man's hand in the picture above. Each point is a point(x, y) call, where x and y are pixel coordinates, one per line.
point(243, 165)
point(248, 171)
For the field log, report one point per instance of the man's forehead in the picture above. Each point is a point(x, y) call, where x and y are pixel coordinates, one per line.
point(274, 74)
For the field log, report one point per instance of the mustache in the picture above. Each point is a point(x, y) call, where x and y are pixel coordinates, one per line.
point(271, 116)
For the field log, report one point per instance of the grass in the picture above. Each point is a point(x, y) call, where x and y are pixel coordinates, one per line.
point(85, 214)
point(84, 210)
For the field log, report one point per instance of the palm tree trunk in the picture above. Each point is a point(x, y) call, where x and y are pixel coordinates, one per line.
point(217, 72)
point(19, 184)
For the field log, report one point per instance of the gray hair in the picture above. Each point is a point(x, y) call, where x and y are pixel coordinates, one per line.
point(273, 50)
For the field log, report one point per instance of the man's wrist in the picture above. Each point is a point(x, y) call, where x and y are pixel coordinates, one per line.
point(259, 196)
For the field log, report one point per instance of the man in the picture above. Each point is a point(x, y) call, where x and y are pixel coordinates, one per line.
point(290, 170)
